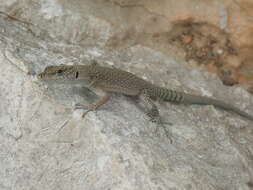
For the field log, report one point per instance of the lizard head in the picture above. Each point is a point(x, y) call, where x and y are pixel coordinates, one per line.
point(59, 73)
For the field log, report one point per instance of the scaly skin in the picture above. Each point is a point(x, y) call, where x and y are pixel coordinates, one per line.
point(104, 81)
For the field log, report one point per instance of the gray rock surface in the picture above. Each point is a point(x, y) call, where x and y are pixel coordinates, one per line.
point(45, 144)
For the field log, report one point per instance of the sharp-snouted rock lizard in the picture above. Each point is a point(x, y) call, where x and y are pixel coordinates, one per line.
point(104, 81)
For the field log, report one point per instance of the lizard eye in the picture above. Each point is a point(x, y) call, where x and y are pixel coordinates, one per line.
point(77, 75)
point(59, 71)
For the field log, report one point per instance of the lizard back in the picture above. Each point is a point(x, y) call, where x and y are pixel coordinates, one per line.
point(116, 80)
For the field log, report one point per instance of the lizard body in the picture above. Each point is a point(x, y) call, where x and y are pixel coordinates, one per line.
point(104, 81)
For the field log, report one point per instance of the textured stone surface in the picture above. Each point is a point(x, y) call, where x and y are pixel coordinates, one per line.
point(46, 145)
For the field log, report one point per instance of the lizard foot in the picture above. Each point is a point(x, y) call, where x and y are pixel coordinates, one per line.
point(89, 108)
point(160, 123)
point(95, 105)
point(81, 106)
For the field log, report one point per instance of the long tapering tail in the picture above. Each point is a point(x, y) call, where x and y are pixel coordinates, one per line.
point(181, 97)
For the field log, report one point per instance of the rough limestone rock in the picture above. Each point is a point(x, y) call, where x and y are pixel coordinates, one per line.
point(45, 144)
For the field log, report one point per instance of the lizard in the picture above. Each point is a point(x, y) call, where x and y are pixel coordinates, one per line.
point(105, 81)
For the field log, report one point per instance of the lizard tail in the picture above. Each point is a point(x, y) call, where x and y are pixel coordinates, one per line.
point(202, 100)
point(180, 97)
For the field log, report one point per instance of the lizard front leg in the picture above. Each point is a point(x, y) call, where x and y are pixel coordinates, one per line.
point(103, 98)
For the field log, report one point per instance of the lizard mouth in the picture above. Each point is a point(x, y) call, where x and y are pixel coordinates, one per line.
point(41, 76)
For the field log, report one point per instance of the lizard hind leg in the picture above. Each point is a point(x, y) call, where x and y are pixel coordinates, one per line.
point(153, 113)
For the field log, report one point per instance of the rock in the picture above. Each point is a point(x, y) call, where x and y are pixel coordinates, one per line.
point(45, 144)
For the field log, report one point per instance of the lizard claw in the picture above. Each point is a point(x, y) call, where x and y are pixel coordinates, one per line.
point(90, 107)
point(80, 106)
